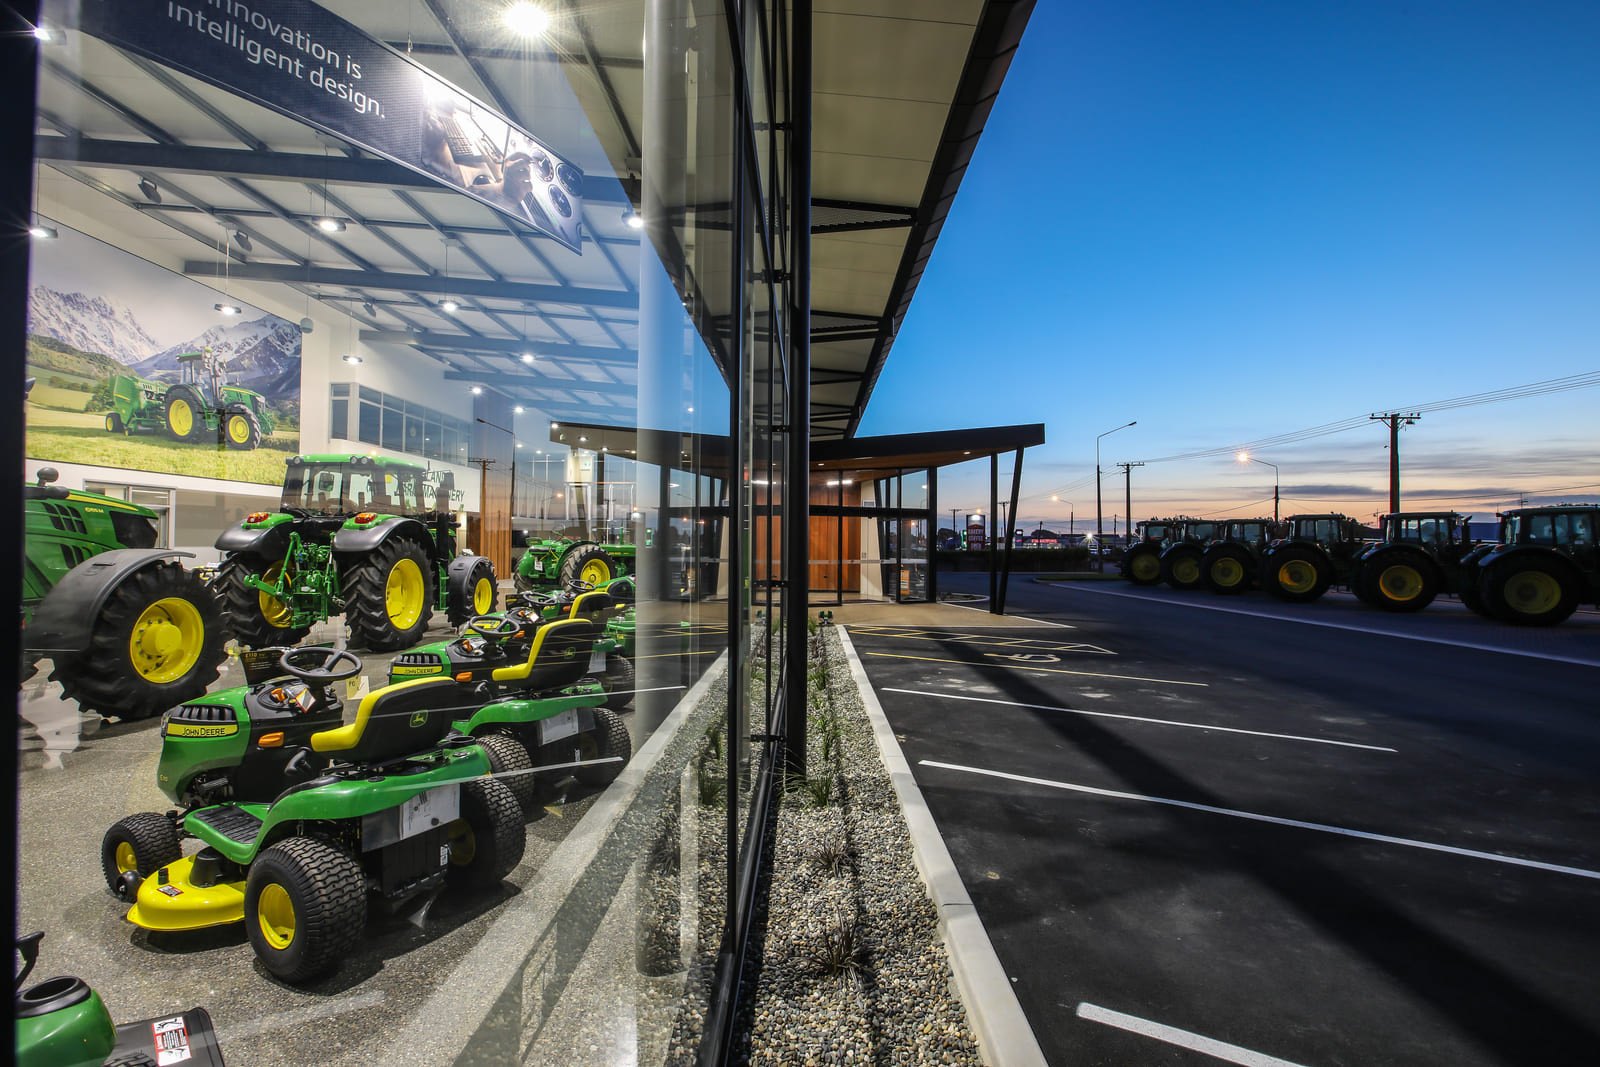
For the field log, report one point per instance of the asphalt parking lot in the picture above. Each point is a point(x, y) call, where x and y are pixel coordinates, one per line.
point(1270, 834)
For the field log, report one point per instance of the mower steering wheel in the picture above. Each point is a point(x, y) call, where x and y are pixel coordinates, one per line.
point(492, 627)
point(578, 585)
point(324, 667)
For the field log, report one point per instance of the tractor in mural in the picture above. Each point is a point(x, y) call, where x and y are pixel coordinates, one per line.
point(200, 406)
point(370, 537)
point(555, 564)
point(130, 632)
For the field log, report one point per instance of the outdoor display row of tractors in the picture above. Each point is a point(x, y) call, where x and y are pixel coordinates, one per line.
point(1543, 565)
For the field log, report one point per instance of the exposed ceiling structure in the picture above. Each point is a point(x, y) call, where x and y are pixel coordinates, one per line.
point(236, 192)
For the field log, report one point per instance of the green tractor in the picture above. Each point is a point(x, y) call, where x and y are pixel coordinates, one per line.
point(1417, 557)
point(557, 563)
point(201, 406)
point(130, 632)
point(307, 822)
point(1141, 563)
point(1181, 559)
point(1546, 564)
point(1317, 551)
point(1230, 563)
point(371, 537)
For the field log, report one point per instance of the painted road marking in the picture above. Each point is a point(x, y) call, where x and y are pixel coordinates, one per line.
point(1140, 718)
point(948, 637)
point(1182, 1038)
point(1275, 820)
point(1335, 625)
point(1040, 670)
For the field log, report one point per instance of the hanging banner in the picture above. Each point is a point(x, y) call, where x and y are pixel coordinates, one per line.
point(306, 62)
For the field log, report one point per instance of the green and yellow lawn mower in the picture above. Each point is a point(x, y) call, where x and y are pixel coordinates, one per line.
point(369, 537)
point(556, 563)
point(61, 1022)
point(304, 822)
point(521, 683)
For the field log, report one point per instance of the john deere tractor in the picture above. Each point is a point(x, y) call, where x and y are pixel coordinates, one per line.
point(1546, 564)
point(1180, 560)
point(1141, 563)
point(1231, 563)
point(1418, 556)
point(130, 632)
point(555, 564)
point(1318, 551)
point(370, 537)
point(201, 406)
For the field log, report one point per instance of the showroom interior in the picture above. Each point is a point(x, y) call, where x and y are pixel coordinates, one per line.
point(624, 273)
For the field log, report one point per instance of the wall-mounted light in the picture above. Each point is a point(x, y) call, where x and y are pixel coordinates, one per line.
point(328, 224)
point(352, 358)
point(242, 239)
point(43, 232)
point(229, 309)
point(477, 390)
point(449, 305)
point(151, 191)
point(526, 19)
point(632, 219)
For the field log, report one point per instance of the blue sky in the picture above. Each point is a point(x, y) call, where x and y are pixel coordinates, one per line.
point(1238, 220)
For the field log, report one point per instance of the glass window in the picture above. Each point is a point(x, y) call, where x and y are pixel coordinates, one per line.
point(338, 416)
point(371, 424)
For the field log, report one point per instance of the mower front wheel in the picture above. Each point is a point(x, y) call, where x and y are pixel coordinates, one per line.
point(510, 764)
point(305, 906)
point(487, 842)
point(141, 844)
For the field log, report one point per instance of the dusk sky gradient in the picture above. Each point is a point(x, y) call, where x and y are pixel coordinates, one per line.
point(1237, 220)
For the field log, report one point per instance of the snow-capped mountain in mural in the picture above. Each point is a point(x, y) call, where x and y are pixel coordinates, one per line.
point(261, 352)
point(89, 323)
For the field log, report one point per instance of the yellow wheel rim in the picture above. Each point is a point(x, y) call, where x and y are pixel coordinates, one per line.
point(1297, 576)
point(1227, 572)
point(1532, 593)
point(275, 611)
point(1145, 566)
point(126, 860)
point(1400, 583)
point(1186, 571)
point(166, 641)
point(595, 571)
point(180, 416)
point(111, 423)
point(463, 845)
point(275, 913)
point(239, 429)
point(483, 596)
point(404, 593)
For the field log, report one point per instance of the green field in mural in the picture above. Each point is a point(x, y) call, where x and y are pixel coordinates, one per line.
point(81, 437)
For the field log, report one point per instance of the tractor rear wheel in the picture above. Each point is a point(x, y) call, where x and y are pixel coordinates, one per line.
point(1143, 565)
point(487, 842)
point(1398, 580)
point(473, 593)
point(305, 905)
point(241, 430)
point(185, 414)
point(608, 738)
point(141, 844)
point(258, 620)
point(1180, 567)
point(1296, 573)
point(1227, 569)
point(156, 643)
point(388, 596)
point(1530, 591)
point(591, 564)
point(1471, 590)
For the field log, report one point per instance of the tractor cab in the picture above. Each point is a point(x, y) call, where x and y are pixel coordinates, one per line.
point(1441, 534)
point(1338, 535)
point(202, 372)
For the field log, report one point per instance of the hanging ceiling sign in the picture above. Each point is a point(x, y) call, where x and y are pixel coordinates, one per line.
point(306, 62)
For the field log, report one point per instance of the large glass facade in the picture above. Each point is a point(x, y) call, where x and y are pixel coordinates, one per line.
point(532, 263)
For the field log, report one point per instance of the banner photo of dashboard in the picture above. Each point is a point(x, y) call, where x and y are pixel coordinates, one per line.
point(304, 61)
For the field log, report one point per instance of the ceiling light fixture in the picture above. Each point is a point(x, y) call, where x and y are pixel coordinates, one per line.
point(477, 390)
point(229, 309)
point(151, 191)
point(527, 19)
point(633, 220)
point(527, 357)
point(368, 308)
point(352, 358)
point(242, 239)
point(449, 305)
point(42, 32)
point(330, 225)
point(43, 232)
point(517, 410)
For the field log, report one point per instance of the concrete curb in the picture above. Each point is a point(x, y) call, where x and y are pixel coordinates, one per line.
point(1004, 1034)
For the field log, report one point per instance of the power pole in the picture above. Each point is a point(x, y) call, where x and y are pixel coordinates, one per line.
point(1127, 491)
point(1395, 419)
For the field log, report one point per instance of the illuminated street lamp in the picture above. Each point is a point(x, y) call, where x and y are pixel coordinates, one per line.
point(1072, 517)
point(1245, 457)
point(1099, 520)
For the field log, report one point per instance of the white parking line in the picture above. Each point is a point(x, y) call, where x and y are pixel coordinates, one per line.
point(1141, 718)
point(1203, 606)
point(1183, 1038)
point(1514, 861)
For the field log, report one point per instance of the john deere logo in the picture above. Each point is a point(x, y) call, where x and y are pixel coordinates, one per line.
point(419, 719)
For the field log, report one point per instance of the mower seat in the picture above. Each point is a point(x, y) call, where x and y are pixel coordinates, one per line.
point(392, 722)
point(558, 657)
point(593, 605)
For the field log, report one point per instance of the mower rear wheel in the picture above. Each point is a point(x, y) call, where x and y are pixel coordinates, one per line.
point(388, 596)
point(305, 906)
point(156, 643)
point(1226, 569)
point(1297, 574)
point(618, 681)
point(258, 620)
point(1400, 581)
point(593, 565)
point(1143, 565)
point(487, 842)
point(608, 738)
point(474, 593)
point(510, 763)
point(1530, 591)
point(241, 430)
point(1180, 567)
point(142, 843)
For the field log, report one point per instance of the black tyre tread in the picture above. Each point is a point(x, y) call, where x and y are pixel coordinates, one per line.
point(155, 844)
point(572, 566)
point(1172, 558)
point(254, 440)
point(1471, 592)
point(619, 681)
point(103, 678)
point(113, 422)
point(1128, 562)
point(1269, 571)
point(242, 605)
point(1214, 556)
point(512, 766)
point(364, 608)
point(458, 605)
point(331, 918)
point(495, 817)
point(1374, 568)
point(610, 735)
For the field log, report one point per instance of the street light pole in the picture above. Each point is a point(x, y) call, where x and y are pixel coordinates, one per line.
point(1072, 516)
point(1245, 457)
point(1099, 519)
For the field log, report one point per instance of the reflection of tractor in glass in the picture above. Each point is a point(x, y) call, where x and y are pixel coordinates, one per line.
point(199, 407)
point(371, 537)
point(130, 631)
point(1546, 564)
point(555, 564)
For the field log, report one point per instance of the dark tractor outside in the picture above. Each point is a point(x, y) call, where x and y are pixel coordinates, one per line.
point(371, 537)
point(201, 406)
point(130, 632)
point(1231, 563)
point(1180, 560)
point(554, 564)
point(1545, 565)
point(1418, 557)
point(1317, 551)
point(1141, 563)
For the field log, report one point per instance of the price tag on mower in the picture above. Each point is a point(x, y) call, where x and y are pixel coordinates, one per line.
point(597, 661)
point(538, 565)
point(558, 726)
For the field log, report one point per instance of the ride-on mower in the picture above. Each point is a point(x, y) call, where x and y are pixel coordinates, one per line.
point(373, 538)
point(305, 822)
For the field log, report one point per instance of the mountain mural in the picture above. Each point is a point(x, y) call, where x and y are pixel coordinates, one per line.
point(262, 354)
point(89, 323)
